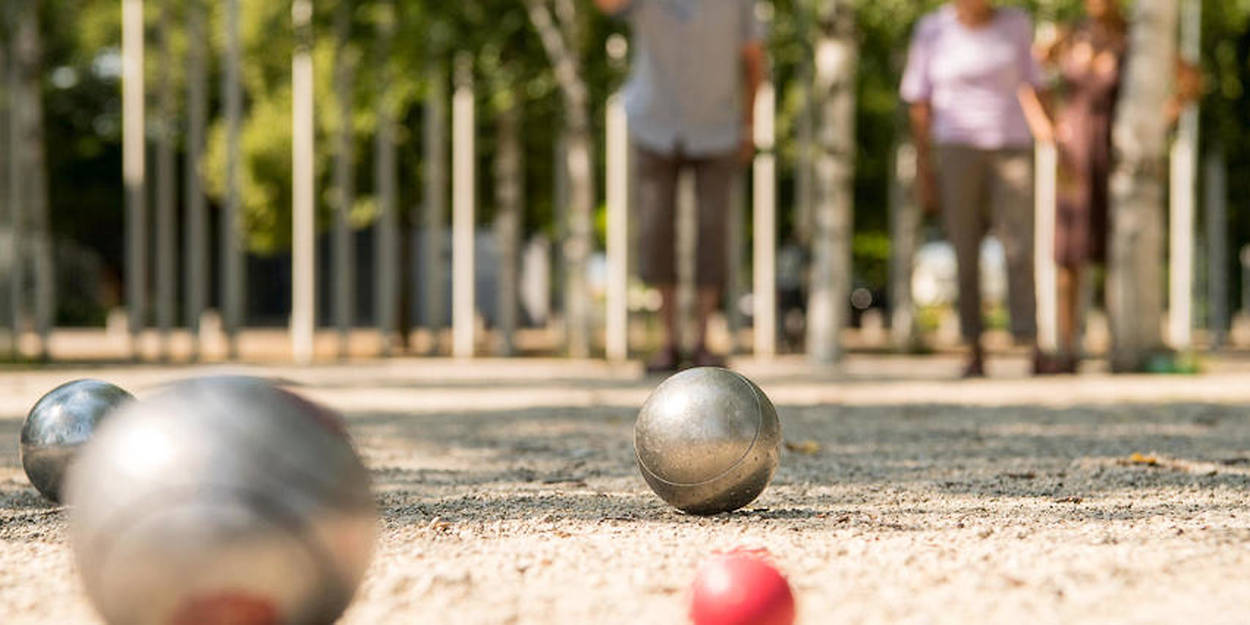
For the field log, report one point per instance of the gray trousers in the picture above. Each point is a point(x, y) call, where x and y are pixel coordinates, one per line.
point(983, 191)
point(657, 214)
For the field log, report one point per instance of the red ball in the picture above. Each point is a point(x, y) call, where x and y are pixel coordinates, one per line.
point(740, 588)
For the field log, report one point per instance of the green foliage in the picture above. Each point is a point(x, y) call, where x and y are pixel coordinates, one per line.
point(511, 69)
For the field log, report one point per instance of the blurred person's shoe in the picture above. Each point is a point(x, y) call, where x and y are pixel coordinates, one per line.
point(667, 360)
point(705, 358)
point(976, 364)
point(1052, 364)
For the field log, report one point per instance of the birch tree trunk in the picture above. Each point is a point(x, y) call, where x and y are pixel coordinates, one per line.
point(1135, 280)
point(344, 178)
point(560, 40)
point(834, 170)
point(509, 208)
point(196, 248)
point(33, 175)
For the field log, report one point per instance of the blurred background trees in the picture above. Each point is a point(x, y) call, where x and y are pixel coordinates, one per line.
point(523, 101)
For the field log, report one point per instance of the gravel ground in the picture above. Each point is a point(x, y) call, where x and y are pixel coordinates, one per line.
point(968, 511)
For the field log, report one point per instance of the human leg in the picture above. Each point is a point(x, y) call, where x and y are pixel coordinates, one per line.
point(1011, 192)
point(657, 189)
point(713, 183)
point(961, 176)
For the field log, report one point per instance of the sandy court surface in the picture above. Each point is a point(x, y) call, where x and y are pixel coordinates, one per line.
point(927, 501)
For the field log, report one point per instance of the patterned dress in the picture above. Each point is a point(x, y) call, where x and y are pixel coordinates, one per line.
point(1090, 65)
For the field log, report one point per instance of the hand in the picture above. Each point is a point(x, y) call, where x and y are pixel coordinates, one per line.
point(1044, 133)
point(746, 146)
point(926, 190)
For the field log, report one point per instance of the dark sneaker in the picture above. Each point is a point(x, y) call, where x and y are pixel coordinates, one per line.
point(667, 360)
point(704, 358)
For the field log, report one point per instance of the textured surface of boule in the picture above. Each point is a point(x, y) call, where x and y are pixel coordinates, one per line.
point(707, 441)
point(221, 498)
point(59, 424)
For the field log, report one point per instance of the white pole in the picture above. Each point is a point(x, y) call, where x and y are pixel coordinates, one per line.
point(735, 240)
point(434, 204)
point(1046, 284)
point(133, 167)
point(303, 241)
point(343, 271)
point(765, 296)
point(166, 190)
point(687, 240)
point(617, 330)
point(387, 251)
point(904, 224)
point(464, 206)
point(1184, 193)
point(196, 269)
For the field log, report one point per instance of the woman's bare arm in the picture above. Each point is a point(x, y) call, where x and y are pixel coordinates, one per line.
point(1035, 114)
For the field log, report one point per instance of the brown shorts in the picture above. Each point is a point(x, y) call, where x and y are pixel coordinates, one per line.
point(657, 214)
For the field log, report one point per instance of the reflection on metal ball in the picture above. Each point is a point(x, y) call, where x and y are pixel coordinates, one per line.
point(59, 424)
point(707, 441)
point(222, 500)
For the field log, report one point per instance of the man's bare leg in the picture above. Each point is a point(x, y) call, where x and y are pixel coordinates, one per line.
point(669, 356)
point(708, 302)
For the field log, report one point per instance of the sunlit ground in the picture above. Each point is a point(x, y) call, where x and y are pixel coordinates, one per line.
point(508, 494)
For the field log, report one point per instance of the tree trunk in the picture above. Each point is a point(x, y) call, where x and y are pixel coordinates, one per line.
point(386, 296)
point(509, 208)
point(834, 162)
point(231, 219)
point(344, 178)
point(196, 269)
point(1216, 197)
point(166, 258)
point(8, 253)
point(33, 172)
point(1135, 281)
point(560, 42)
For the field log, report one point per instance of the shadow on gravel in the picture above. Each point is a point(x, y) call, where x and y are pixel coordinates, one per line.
point(1065, 454)
point(10, 438)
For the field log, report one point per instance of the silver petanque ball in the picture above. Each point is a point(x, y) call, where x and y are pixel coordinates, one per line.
point(60, 423)
point(707, 441)
point(221, 500)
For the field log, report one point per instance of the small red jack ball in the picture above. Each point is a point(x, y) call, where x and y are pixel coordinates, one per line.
point(740, 588)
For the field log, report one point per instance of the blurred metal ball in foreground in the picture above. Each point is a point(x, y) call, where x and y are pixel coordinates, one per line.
point(59, 424)
point(707, 441)
point(221, 500)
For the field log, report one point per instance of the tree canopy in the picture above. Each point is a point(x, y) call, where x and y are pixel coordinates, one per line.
point(82, 96)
